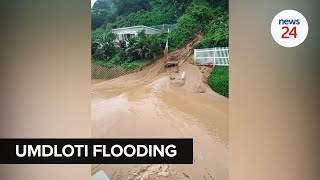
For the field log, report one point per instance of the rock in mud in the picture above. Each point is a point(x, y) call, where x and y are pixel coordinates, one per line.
point(200, 87)
point(144, 177)
point(165, 174)
point(172, 76)
point(206, 74)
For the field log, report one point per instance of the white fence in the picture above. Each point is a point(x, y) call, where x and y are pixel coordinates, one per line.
point(218, 56)
point(165, 27)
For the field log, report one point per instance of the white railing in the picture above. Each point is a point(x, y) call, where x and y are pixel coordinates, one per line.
point(165, 27)
point(218, 56)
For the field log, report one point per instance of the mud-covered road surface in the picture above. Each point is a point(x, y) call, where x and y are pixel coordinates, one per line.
point(148, 104)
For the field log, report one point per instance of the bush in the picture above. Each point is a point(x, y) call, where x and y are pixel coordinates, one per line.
point(116, 60)
point(140, 50)
point(186, 29)
point(147, 18)
point(103, 44)
point(219, 80)
point(196, 19)
point(217, 31)
point(135, 64)
point(103, 64)
point(144, 47)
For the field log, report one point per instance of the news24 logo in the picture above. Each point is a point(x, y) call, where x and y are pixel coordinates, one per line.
point(289, 28)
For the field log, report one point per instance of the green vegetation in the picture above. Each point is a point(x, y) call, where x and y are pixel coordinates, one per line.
point(103, 63)
point(200, 17)
point(139, 51)
point(135, 64)
point(209, 17)
point(126, 65)
point(102, 45)
point(219, 80)
point(216, 31)
point(121, 13)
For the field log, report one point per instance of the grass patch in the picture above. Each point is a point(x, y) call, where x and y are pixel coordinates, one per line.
point(126, 65)
point(103, 63)
point(134, 64)
point(219, 80)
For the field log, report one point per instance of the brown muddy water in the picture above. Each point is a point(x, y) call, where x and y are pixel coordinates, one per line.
point(96, 81)
point(147, 104)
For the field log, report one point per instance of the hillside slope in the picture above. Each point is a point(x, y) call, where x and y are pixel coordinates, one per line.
point(209, 16)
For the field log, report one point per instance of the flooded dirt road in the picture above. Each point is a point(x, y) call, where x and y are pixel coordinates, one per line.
point(147, 104)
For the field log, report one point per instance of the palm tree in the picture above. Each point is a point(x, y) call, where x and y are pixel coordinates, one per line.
point(104, 43)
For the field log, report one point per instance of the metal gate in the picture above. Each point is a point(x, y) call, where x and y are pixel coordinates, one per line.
point(218, 56)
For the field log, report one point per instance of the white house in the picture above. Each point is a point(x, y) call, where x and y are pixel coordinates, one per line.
point(126, 32)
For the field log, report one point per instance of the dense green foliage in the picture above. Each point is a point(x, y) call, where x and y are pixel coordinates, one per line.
point(126, 65)
point(122, 13)
point(134, 64)
point(217, 31)
point(209, 17)
point(139, 50)
point(200, 17)
point(102, 11)
point(219, 80)
point(103, 46)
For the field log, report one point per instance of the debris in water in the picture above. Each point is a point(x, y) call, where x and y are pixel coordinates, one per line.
point(200, 87)
point(165, 174)
point(186, 175)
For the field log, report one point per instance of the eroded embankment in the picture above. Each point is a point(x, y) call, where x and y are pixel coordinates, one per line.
point(150, 104)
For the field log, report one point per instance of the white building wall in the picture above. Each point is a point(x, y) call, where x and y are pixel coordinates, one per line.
point(120, 32)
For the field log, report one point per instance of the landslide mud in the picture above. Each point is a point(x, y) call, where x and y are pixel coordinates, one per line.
point(147, 104)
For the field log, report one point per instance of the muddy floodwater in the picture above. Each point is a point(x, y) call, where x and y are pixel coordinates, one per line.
point(96, 81)
point(147, 104)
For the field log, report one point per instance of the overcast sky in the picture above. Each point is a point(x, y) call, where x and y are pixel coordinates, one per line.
point(92, 2)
